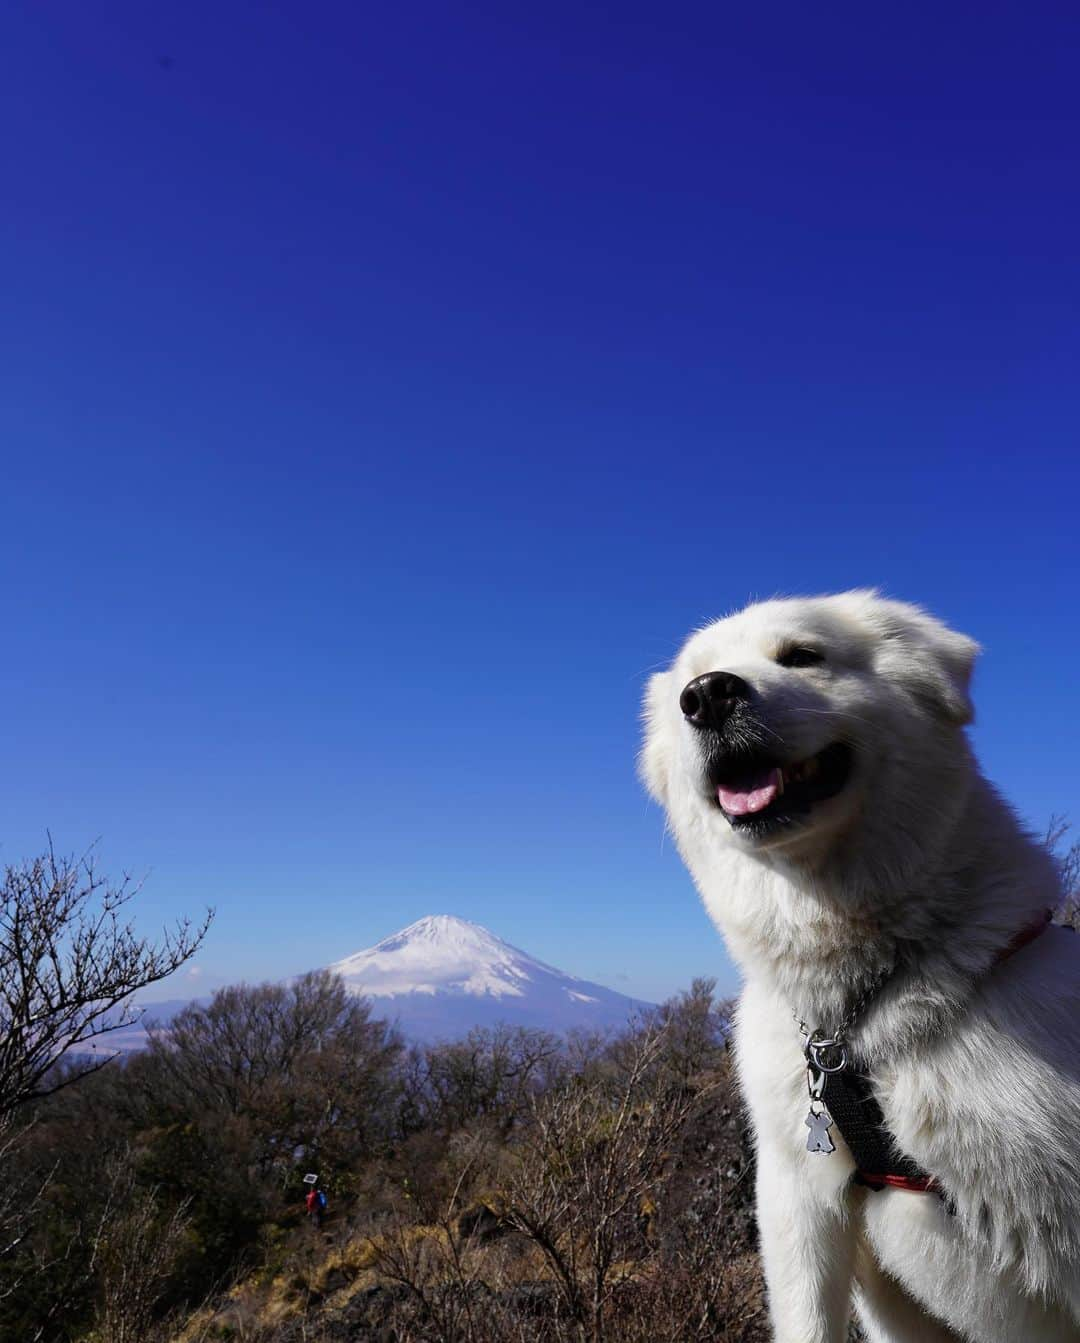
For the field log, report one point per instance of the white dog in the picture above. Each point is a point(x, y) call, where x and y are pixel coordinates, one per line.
point(875, 889)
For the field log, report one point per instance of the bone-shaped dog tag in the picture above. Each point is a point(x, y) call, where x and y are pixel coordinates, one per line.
point(819, 1122)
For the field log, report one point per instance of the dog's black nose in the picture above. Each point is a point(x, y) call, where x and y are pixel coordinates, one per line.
point(708, 700)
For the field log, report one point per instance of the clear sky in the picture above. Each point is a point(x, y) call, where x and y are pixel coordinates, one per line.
point(386, 389)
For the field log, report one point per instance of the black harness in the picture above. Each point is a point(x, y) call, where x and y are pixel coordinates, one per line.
point(879, 1163)
point(841, 1096)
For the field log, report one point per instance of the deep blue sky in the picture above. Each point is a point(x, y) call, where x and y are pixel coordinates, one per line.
point(384, 390)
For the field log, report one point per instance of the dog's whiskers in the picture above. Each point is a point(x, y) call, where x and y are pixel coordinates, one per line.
point(839, 713)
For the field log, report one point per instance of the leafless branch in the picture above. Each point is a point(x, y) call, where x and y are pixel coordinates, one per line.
point(70, 962)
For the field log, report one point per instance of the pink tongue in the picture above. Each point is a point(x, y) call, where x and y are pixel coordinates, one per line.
point(754, 795)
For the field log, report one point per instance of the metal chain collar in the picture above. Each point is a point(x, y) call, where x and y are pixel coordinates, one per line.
point(828, 1053)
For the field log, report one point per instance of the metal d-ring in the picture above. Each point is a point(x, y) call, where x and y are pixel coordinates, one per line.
point(817, 1047)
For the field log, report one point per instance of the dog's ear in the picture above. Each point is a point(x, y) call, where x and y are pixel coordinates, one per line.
point(919, 651)
point(653, 760)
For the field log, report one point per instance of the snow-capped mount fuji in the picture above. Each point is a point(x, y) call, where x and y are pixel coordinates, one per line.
point(442, 975)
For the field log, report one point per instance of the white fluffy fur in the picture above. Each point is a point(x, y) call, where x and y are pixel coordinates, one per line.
point(976, 1064)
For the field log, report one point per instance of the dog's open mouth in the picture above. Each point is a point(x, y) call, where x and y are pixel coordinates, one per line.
point(757, 794)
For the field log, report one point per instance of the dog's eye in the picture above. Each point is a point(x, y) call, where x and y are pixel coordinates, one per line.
point(800, 657)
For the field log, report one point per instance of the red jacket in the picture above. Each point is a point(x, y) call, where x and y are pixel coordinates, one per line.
point(312, 1200)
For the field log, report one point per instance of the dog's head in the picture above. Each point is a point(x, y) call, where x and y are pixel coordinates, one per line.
point(781, 728)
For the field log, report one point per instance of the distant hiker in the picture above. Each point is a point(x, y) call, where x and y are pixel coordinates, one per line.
point(315, 1204)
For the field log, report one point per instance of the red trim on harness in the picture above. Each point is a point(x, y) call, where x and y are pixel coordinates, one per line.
point(1026, 935)
point(923, 1185)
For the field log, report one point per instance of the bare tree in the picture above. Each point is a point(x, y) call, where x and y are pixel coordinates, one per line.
point(19, 1198)
point(695, 1028)
point(491, 1075)
point(426, 1254)
point(589, 1166)
point(298, 1067)
point(1068, 859)
point(70, 962)
point(48, 1265)
point(136, 1246)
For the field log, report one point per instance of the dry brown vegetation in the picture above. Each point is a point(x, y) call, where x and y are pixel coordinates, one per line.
point(509, 1186)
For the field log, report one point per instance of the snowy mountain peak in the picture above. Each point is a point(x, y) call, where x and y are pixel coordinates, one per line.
point(440, 954)
point(446, 931)
point(443, 973)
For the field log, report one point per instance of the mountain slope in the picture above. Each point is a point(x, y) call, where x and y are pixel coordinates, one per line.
point(442, 975)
